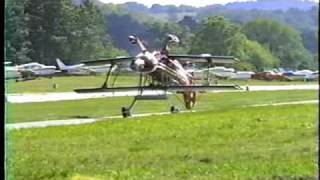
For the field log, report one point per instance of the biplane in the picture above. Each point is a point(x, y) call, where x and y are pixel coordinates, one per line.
point(159, 70)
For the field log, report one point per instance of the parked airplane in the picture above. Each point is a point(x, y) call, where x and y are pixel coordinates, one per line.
point(242, 75)
point(33, 70)
point(11, 72)
point(313, 77)
point(82, 69)
point(77, 69)
point(269, 76)
point(225, 73)
point(298, 75)
point(37, 69)
point(222, 72)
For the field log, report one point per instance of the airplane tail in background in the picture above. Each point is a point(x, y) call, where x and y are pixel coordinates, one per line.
point(61, 65)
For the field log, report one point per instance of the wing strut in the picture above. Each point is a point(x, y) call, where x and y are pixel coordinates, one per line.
point(115, 78)
point(208, 72)
point(105, 84)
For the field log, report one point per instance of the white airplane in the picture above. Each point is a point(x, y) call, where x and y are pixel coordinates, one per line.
point(225, 73)
point(37, 69)
point(11, 72)
point(298, 75)
point(81, 69)
point(312, 77)
point(222, 72)
point(242, 75)
point(77, 69)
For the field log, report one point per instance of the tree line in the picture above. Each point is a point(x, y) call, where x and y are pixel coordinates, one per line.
point(43, 30)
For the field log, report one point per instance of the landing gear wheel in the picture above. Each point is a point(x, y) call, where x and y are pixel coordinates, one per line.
point(174, 109)
point(125, 112)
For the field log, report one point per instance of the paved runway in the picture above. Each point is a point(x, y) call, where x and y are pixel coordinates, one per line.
point(44, 97)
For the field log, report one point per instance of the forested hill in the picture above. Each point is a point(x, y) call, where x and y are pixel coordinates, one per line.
point(267, 5)
point(300, 15)
point(75, 30)
point(272, 5)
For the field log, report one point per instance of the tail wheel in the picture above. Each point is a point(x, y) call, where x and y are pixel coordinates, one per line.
point(193, 98)
point(188, 104)
point(189, 99)
point(125, 112)
point(174, 109)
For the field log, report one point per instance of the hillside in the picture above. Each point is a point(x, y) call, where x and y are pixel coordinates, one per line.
point(300, 15)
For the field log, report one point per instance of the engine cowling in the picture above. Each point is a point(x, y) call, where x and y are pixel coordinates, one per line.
point(145, 62)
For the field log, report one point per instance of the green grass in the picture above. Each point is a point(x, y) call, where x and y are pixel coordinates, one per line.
point(111, 106)
point(75, 82)
point(64, 84)
point(276, 142)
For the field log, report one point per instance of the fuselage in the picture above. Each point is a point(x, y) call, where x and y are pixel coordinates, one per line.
point(161, 68)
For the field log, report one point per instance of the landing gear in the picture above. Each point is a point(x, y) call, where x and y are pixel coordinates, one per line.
point(125, 112)
point(174, 109)
point(189, 99)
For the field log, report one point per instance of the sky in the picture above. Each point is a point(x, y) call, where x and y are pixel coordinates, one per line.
point(196, 3)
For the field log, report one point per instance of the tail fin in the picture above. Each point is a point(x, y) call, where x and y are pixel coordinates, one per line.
point(61, 65)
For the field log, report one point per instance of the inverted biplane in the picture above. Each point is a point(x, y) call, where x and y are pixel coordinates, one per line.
point(162, 71)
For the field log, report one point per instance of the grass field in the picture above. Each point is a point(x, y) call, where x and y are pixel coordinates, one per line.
point(75, 82)
point(276, 142)
point(111, 106)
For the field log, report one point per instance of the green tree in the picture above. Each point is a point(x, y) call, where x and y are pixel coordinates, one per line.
point(43, 30)
point(42, 21)
point(16, 44)
point(218, 36)
point(283, 42)
point(258, 56)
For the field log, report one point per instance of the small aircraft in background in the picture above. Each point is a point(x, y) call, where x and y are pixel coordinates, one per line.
point(242, 75)
point(298, 75)
point(11, 72)
point(34, 70)
point(220, 72)
point(77, 69)
point(28, 71)
point(82, 69)
point(37, 69)
point(162, 71)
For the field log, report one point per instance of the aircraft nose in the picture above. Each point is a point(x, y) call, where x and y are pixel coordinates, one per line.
point(138, 64)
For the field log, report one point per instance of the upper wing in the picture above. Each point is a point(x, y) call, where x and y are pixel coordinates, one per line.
point(205, 58)
point(109, 60)
point(176, 88)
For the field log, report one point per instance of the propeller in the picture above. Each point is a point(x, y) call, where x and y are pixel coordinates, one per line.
point(173, 39)
point(133, 39)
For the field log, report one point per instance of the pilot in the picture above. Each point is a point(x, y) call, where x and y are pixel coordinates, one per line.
point(164, 56)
